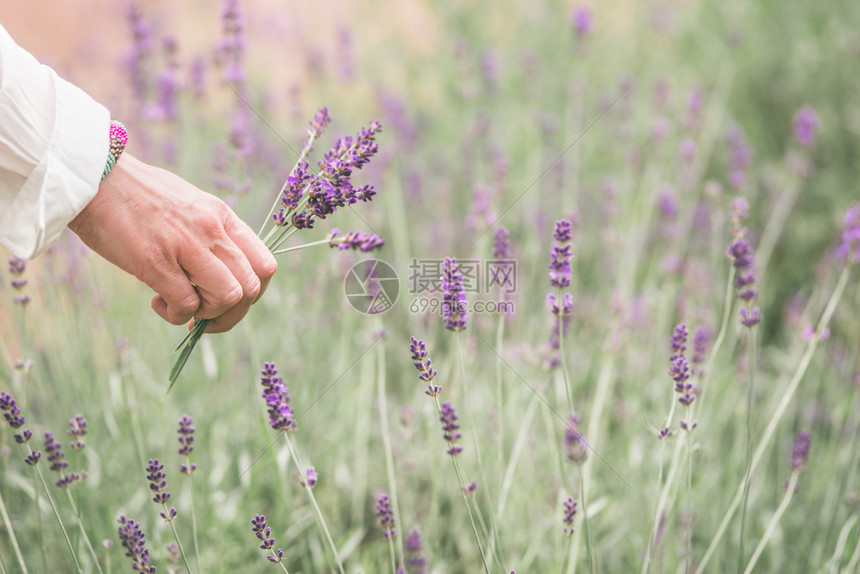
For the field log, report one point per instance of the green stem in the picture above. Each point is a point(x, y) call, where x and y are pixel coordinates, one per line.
point(787, 397)
point(500, 440)
point(833, 564)
point(302, 246)
point(193, 514)
point(316, 507)
point(461, 482)
point(8, 525)
point(83, 531)
point(560, 323)
point(56, 512)
point(750, 388)
point(176, 537)
point(792, 484)
point(386, 441)
point(391, 555)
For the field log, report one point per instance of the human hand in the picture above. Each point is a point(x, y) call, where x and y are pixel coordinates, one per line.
point(175, 237)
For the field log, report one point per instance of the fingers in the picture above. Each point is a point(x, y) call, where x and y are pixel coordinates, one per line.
point(218, 286)
point(177, 300)
point(261, 260)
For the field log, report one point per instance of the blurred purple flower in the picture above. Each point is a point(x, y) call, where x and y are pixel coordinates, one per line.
point(806, 125)
point(451, 428)
point(800, 450)
point(501, 244)
point(386, 516)
point(454, 311)
point(416, 562)
point(55, 453)
point(561, 254)
point(581, 19)
point(849, 248)
point(77, 429)
point(569, 513)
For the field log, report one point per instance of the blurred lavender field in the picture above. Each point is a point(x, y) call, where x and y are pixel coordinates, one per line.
point(624, 337)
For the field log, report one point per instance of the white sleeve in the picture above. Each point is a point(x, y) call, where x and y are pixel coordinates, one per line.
point(54, 143)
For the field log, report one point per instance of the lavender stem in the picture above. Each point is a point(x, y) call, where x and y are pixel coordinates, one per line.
point(8, 525)
point(787, 397)
point(789, 493)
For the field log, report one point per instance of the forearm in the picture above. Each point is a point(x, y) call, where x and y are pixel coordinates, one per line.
point(53, 148)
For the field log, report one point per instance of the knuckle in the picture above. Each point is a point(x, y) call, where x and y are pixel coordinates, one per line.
point(231, 298)
point(253, 288)
point(183, 309)
point(268, 266)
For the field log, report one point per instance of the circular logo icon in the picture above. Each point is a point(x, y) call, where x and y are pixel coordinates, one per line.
point(371, 287)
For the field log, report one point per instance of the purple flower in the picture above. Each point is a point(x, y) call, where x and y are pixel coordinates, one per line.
point(17, 266)
point(581, 19)
point(562, 307)
point(312, 477)
point(133, 540)
point(454, 312)
point(167, 83)
point(386, 516)
point(55, 453)
point(158, 484)
point(355, 240)
point(800, 450)
point(448, 416)
point(741, 255)
point(416, 561)
point(740, 157)
point(806, 125)
point(700, 344)
point(277, 398)
point(140, 51)
point(501, 244)
point(422, 362)
point(668, 203)
point(232, 46)
point(561, 254)
point(849, 248)
point(77, 429)
point(33, 458)
point(264, 533)
point(574, 443)
point(186, 443)
point(16, 420)
point(569, 513)
point(679, 339)
point(679, 368)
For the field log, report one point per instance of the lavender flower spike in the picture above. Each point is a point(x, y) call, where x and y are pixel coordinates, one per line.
point(277, 398)
point(264, 533)
point(501, 244)
point(806, 125)
point(454, 312)
point(77, 429)
point(158, 484)
point(386, 516)
point(422, 362)
point(448, 416)
point(133, 540)
point(849, 248)
point(417, 562)
point(569, 513)
point(800, 450)
point(355, 240)
point(561, 254)
point(186, 443)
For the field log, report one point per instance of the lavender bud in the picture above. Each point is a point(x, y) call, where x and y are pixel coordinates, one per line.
point(569, 513)
point(451, 428)
point(277, 398)
point(454, 312)
point(574, 442)
point(416, 561)
point(386, 516)
point(133, 540)
point(806, 125)
point(77, 429)
point(849, 248)
point(501, 244)
point(800, 450)
point(55, 453)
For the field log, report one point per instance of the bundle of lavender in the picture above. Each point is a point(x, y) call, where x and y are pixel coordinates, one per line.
point(306, 196)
